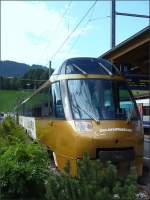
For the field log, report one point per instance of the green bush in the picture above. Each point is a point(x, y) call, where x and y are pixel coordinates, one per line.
point(23, 171)
point(12, 133)
point(94, 181)
point(24, 164)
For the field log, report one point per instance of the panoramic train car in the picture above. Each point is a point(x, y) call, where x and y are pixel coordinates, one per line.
point(86, 106)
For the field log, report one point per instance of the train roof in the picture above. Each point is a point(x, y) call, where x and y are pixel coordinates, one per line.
point(86, 65)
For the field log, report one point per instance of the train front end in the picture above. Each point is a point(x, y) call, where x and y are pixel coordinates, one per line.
point(102, 118)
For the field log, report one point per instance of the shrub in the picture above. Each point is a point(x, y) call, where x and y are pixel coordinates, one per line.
point(23, 171)
point(94, 181)
point(24, 164)
point(12, 133)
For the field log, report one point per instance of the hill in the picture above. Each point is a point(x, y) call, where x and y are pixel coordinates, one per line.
point(16, 69)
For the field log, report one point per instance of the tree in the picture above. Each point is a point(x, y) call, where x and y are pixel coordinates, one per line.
point(33, 77)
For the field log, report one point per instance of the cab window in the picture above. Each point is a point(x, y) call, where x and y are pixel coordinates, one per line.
point(37, 106)
point(57, 101)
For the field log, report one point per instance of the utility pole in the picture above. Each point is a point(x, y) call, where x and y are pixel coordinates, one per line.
point(113, 20)
point(50, 91)
point(50, 68)
point(113, 23)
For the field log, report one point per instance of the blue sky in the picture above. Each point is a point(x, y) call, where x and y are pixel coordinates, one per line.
point(32, 31)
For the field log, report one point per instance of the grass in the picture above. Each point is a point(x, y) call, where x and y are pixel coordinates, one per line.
point(9, 99)
point(37, 100)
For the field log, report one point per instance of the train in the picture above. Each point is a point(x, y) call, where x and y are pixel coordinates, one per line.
point(144, 109)
point(86, 107)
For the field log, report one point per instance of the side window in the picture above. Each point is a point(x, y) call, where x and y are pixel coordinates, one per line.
point(146, 110)
point(63, 66)
point(108, 98)
point(38, 105)
point(57, 101)
point(69, 69)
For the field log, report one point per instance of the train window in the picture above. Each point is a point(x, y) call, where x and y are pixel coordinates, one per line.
point(107, 98)
point(100, 99)
point(61, 69)
point(146, 110)
point(87, 65)
point(110, 66)
point(127, 104)
point(38, 105)
point(57, 101)
point(90, 66)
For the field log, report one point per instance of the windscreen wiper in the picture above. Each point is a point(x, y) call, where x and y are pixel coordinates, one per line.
point(85, 111)
point(107, 70)
point(88, 113)
point(81, 70)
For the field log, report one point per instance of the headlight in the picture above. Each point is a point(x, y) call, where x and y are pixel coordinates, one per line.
point(83, 126)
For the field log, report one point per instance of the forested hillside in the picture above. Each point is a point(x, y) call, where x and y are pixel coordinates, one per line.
point(17, 81)
point(15, 69)
point(32, 79)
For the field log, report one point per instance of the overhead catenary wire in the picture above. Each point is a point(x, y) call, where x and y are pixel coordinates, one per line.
point(63, 15)
point(98, 18)
point(78, 37)
point(88, 21)
point(67, 9)
point(57, 25)
point(70, 34)
point(68, 18)
point(91, 19)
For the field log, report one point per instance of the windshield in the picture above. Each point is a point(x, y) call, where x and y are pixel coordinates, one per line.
point(101, 99)
point(90, 66)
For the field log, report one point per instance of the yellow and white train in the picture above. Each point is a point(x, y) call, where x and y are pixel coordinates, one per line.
point(86, 106)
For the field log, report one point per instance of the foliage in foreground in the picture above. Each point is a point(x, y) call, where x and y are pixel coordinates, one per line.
point(94, 181)
point(24, 164)
point(25, 174)
point(11, 134)
point(23, 171)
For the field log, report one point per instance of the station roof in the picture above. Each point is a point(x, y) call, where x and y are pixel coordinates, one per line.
point(134, 53)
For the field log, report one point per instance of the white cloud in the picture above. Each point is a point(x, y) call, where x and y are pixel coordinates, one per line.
point(29, 34)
